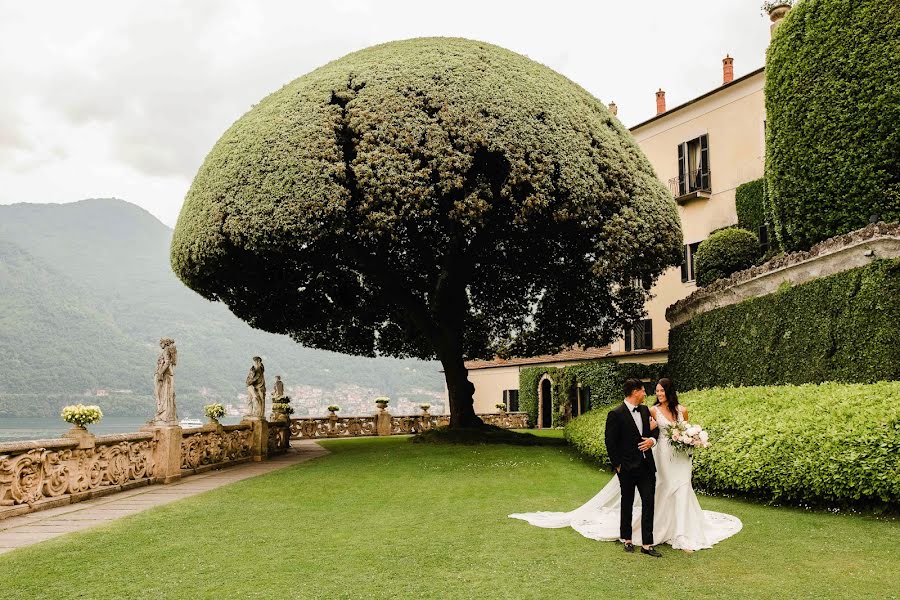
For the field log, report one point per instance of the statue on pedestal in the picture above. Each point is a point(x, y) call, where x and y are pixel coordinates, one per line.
point(256, 389)
point(164, 384)
point(278, 392)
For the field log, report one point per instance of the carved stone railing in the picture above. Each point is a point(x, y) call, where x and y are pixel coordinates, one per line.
point(215, 445)
point(507, 420)
point(329, 427)
point(334, 426)
point(46, 473)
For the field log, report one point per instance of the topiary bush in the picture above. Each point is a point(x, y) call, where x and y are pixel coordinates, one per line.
point(837, 328)
point(750, 203)
point(829, 444)
point(832, 107)
point(725, 252)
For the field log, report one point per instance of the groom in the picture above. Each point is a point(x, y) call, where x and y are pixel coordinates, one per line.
point(628, 443)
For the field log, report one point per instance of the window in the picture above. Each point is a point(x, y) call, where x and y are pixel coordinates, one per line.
point(687, 261)
point(693, 166)
point(584, 400)
point(764, 238)
point(511, 400)
point(639, 336)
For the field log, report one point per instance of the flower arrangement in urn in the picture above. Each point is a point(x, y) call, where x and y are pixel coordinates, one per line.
point(424, 407)
point(500, 407)
point(80, 415)
point(214, 411)
point(382, 402)
point(333, 409)
point(283, 407)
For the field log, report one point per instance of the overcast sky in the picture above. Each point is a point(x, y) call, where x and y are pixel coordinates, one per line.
point(124, 99)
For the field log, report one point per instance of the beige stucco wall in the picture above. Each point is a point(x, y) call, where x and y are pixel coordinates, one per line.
point(733, 118)
point(489, 385)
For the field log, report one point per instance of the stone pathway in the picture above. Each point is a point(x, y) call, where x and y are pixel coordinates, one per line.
point(25, 530)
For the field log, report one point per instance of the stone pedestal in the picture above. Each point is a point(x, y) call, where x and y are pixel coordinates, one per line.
point(383, 422)
point(259, 438)
point(84, 437)
point(167, 453)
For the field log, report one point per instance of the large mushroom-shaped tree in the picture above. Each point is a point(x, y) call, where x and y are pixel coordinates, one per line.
point(429, 198)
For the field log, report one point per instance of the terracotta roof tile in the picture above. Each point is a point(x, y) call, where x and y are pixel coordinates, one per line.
point(574, 354)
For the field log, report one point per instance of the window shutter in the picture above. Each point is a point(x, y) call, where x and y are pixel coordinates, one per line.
point(628, 339)
point(648, 334)
point(513, 405)
point(764, 238)
point(682, 169)
point(684, 264)
point(704, 163)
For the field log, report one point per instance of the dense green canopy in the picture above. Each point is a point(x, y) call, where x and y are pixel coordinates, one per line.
point(428, 197)
point(833, 119)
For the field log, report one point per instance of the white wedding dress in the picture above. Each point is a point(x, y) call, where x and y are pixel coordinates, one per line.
point(677, 519)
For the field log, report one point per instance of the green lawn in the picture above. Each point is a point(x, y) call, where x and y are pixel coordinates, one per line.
point(386, 518)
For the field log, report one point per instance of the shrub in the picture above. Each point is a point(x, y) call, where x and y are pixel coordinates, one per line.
point(750, 203)
point(334, 408)
point(725, 252)
point(832, 107)
point(837, 328)
point(834, 444)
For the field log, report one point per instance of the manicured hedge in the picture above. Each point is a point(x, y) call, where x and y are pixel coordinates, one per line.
point(750, 203)
point(604, 377)
point(725, 252)
point(838, 328)
point(829, 444)
point(832, 107)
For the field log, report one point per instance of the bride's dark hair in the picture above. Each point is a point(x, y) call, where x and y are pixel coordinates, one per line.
point(671, 396)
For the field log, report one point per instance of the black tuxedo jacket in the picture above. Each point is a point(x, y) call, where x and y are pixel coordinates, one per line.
point(622, 438)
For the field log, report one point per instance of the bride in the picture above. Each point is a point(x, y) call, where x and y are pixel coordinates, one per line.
point(678, 519)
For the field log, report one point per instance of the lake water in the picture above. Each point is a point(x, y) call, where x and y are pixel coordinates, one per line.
point(39, 428)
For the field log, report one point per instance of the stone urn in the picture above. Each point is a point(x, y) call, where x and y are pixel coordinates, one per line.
point(776, 13)
point(381, 405)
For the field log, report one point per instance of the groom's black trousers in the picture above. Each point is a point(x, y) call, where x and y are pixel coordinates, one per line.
point(644, 479)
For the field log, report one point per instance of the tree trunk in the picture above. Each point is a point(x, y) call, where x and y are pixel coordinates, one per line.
point(459, 389)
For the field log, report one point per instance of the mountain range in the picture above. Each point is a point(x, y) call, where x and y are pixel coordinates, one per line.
point(86, 292)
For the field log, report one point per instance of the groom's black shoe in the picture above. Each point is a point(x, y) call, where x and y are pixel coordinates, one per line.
point(651, 552)
point(629, 547)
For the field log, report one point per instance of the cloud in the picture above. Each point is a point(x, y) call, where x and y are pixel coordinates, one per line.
point(141, 91)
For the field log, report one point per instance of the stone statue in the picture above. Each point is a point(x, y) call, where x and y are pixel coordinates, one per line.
point(164, 383)
point(278, 393)
point(256, 389)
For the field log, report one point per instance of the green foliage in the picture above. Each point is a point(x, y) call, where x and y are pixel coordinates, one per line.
point(837, 328)
point(834, 444)
point(603, 377)
point(750, 202)
point(725, 252)
point(395, 194)
point(832, 108)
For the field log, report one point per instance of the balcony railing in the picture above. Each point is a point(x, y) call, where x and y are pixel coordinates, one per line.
point(691, 185)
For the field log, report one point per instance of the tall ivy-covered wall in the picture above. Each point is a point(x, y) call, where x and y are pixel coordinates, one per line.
point(749, 200)
point(604, 377)
point(843, 327)
point(832, 108)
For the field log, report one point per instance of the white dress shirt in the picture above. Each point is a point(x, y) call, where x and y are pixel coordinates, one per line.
point(636, 417)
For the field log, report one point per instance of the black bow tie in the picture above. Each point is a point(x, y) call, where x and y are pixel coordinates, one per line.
point(636, 409)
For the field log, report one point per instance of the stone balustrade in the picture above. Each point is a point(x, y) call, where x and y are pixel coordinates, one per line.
point(48, 473)
point(383, 423)
point(214, 446)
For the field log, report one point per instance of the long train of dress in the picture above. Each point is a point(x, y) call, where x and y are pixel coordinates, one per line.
point(678, 519)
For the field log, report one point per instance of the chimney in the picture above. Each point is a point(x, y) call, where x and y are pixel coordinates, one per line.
point(613, 108)
point(727, 70)
point(660, 101)
point(776, 14)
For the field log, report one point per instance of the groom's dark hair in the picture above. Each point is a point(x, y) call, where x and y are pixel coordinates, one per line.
point(631, 385)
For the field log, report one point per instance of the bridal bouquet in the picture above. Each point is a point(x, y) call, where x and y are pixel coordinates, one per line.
point(684, 437)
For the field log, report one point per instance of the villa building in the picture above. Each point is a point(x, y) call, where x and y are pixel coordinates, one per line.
point(702, 150)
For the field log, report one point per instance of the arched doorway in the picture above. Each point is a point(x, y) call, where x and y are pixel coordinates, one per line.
point(545, 418)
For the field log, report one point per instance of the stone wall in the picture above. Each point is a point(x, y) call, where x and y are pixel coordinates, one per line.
point(840, 253)
point(383, 423)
